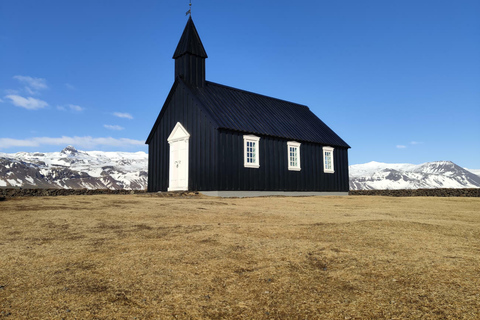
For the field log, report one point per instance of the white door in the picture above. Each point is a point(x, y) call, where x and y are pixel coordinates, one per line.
point(178, 167)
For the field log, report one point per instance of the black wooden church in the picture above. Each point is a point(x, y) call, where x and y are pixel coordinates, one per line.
point(210, 137)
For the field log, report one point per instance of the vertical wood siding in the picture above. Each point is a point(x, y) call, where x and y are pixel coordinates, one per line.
point(216, 157)
point(273, 174)
point(191, 69)
point(203, 150)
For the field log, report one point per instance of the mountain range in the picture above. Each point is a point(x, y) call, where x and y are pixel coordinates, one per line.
point(71, 168)
point(75, 169)
point(436, 174)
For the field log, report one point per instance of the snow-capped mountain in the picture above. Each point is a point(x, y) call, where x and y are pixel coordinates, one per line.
point(71, 168)
point(438, 174)
point(76, 169)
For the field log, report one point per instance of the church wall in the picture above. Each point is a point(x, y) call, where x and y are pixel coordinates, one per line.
point(273, 173)
point(202, 153)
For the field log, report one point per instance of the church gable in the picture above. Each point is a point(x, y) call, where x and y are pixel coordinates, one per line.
point(179, 101)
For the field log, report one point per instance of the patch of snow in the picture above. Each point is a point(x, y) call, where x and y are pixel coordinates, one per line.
point(373, 166)
point(14, 182)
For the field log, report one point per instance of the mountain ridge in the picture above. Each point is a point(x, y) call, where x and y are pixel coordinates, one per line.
point(74, 169)
point(436, 174)
point(71, 168)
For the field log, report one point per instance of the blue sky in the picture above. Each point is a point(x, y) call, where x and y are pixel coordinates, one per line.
point(398, 80)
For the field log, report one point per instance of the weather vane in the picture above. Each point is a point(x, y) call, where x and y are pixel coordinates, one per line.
point(189, 12)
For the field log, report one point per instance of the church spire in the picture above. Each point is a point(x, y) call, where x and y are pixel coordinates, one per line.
point(190, 56)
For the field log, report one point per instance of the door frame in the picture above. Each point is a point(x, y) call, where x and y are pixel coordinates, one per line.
point(178, 135)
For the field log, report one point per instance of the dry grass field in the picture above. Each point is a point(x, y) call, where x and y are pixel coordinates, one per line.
point(148, 257)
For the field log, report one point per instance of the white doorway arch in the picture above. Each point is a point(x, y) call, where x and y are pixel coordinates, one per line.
point(178, 166)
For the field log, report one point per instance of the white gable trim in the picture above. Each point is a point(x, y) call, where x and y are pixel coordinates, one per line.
point(178, 133)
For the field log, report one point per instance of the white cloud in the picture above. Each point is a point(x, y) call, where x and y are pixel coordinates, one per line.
point(75, 107)
point(32, 84)
point(1, 100)
point(27, 103)
point(114, 127)
point(399, 146)
point(81, 142)
point(69, 86)
point(415, 142)
point(7, 143)
point(30, 91)
point(72, 107)
point(123, 115)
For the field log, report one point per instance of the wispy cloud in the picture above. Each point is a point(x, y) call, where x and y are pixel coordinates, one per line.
point(32, 85)
point(400, 146)
point(69, 86)
point(80, 142)
point(113, 127)
point(30, 91)
point(71, 107)
point(27, 103)
point(123, 115)
point(415, 143)
point(11, 91)
point(75, 108)
point(1, 100)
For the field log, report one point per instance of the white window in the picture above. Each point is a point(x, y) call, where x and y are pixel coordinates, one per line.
point(328, 160)
point(251, 151)
point(293, 154)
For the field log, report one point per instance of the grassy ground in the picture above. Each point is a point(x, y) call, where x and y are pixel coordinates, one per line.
point(146, 257)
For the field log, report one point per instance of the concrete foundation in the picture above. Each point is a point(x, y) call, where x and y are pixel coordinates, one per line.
point(244, 194)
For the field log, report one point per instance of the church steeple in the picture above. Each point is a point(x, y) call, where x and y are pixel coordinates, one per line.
point(190, 56)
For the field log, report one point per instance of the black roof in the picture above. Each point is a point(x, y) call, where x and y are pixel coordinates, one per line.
point(234, 109)
point(190, 42)
point(248, 112)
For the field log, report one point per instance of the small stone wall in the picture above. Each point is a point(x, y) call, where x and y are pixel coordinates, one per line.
point(20, 192)
point(473, 192)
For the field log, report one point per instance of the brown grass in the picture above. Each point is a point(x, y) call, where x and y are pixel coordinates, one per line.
point(145, 257)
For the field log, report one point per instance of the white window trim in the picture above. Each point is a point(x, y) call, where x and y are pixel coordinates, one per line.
point(256, 140)
point(332, 169)
point(296, 145)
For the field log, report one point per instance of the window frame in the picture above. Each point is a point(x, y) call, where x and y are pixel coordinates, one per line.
point(325, 167)
point(256, 141)
point(296, 146)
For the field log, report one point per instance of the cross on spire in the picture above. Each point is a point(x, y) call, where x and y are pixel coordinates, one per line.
point(189, 12)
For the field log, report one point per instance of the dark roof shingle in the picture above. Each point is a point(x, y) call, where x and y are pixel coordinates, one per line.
point(244, 111)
